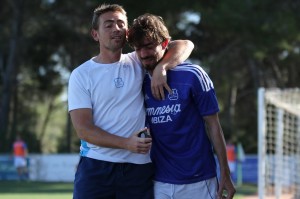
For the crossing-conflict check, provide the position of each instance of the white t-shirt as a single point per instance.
(114, 93)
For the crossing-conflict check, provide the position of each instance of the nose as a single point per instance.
(116, 27)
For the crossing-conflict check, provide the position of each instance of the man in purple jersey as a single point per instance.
(182, 150)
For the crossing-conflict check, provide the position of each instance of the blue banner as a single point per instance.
(7, 169)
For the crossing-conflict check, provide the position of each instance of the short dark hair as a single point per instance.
(147, 26)
(103, 8)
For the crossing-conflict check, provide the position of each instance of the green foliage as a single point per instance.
(246, 45)
(242, 44)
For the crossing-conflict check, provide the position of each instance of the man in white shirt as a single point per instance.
(106, 108)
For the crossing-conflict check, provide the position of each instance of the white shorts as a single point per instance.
(204, 189)
(20, 162)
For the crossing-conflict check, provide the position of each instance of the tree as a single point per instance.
(9, 65)
(241, 44)
(246, 45)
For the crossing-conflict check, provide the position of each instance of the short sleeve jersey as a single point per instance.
(181, 150)
(19, 148)
(114, 93)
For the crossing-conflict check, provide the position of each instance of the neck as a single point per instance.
(108, 57)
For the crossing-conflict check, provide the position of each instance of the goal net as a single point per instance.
(279, 143)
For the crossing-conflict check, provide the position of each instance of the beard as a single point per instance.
(149, 67)
(117, 45)
(149, 63)
(114, 43)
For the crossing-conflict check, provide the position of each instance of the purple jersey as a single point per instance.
(181, 151)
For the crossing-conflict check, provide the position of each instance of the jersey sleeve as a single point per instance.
(204, 93)
(79, 95)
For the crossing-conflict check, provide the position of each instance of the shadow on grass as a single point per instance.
(35, 187)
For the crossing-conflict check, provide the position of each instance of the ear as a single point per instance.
(165, 43)
(94, 34)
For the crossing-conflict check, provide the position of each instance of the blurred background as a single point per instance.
(241, 44)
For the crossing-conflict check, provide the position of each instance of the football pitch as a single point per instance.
(60, 190)
(35, 190)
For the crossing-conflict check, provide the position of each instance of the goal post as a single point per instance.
(278, 143)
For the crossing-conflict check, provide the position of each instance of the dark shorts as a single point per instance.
(96, 179)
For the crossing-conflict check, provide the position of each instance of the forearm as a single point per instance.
(178, 51)
(97, 136)
(86, 130)
(26, 152)
(216, 136)
(219, 145)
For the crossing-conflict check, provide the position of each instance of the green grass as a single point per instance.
(60, 190)
(245, 190)
(35, 190)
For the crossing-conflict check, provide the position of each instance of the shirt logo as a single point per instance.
(163, 114)
(119, 82)
(173, 95)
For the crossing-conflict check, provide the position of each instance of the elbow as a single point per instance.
(190, 45)
(81, 133)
